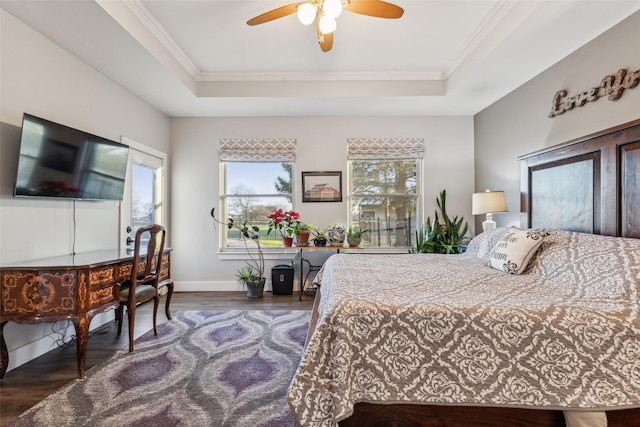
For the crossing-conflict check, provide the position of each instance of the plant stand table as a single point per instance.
(312, 267)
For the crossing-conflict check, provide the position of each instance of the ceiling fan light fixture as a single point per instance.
(325, 12)
(327, 24)
(306, 13)
(332, 8)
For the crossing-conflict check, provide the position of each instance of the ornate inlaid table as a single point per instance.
(72, 287)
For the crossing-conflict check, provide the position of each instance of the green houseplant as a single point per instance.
(251, 275)
(302, 231)
(319, 237)
(443, 234)
(354, 236)
(248, 277)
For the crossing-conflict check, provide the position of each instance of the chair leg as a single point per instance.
(167, 310)
(131, 313)
(156, 302)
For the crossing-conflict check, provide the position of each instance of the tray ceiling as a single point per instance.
(200, 58)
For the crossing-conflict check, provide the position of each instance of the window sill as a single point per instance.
(231, 254)
(269, 254)
(375, 250)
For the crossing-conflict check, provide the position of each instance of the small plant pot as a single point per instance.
(302, 239)
(354, 241)
(287, 242)
(336, 236)
(320, 242)
(255, 289)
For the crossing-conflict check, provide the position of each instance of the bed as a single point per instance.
(425, 339)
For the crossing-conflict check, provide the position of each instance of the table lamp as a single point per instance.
(489, 202)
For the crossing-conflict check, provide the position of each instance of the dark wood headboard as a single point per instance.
(590, 184)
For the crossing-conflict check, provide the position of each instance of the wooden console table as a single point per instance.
(71, 287)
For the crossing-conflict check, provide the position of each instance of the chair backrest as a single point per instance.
(147, 237)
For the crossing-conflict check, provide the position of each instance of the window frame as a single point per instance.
(419, 199)
(223, 246)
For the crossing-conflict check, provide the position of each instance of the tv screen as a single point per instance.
(59, 161)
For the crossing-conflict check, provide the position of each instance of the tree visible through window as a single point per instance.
(254, 190)
(384, 199)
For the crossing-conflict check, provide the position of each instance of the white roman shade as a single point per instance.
(385, 148)
(258, 150)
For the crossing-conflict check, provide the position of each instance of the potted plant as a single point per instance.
(354, 236)
(254, 284)
(302, 232)
(286, 223)
(251, 275)
(319, 237)
(336, 235)
(443, 235)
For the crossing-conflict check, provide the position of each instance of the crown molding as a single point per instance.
(304, 77)
(158, 31)
(491, 21)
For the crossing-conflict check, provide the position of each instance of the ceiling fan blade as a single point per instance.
(325, 40)
(280, 12)
(376, 8)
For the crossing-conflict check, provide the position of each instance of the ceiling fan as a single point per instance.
(325, 12)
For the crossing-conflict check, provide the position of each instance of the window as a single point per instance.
(383, 189)
(257, 180)
(143, 196)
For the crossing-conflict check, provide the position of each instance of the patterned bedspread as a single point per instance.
(448, 329)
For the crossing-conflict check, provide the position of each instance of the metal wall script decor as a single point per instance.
(612, 85)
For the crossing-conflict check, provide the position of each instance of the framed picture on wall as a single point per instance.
(321, 186)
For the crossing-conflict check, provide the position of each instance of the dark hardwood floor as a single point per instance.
(23, 387)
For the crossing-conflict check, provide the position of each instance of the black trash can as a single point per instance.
(282, 279)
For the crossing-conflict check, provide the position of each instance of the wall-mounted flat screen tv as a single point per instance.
(59, 161)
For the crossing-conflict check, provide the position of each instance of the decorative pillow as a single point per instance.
(481, 245)
(514, 250)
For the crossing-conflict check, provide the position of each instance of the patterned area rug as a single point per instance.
(205, 368)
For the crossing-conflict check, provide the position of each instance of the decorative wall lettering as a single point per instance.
(611, 86)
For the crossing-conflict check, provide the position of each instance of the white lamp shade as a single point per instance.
(327, 25)
(306, 13)
(332, 8)
(488, 202)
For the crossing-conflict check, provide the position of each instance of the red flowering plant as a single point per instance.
(285, 222)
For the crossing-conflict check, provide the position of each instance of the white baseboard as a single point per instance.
(208, 286)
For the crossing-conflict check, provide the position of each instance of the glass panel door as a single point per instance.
(142, 197)
(143, 201)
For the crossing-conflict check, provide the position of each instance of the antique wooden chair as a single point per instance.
(142, 284)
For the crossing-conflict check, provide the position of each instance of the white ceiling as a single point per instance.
(200, 58)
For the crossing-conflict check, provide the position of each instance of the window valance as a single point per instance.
(258, 150)
(385, 148)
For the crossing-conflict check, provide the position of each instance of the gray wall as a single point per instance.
(518, 124)
(321, 146)
(40, 78)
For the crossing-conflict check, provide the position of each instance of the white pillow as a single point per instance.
(515, 249)
(483, 243)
